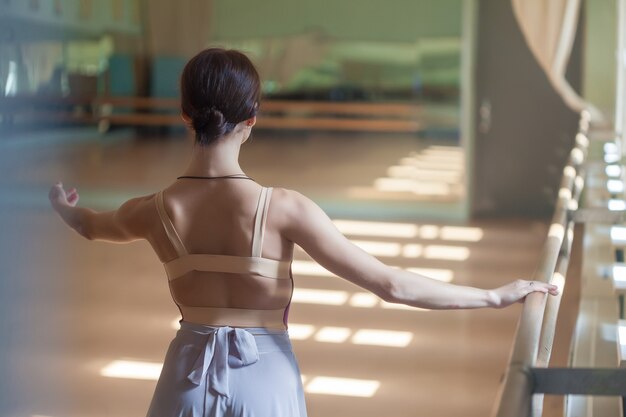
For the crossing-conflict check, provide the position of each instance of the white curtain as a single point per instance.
(549, 27)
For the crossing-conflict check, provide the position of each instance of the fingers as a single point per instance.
(538, 286)
(58, 195)
(55, 191)
(58, 186)
(519, 289)
(72, 196)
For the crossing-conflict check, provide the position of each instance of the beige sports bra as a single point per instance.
(265, 285)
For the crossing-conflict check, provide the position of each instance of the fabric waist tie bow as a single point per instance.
(226, 348)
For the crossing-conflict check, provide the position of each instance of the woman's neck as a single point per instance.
(217, 159)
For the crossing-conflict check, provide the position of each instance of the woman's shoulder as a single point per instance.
(140, 203)
(287, 199)
(291, 206)
(138, 211)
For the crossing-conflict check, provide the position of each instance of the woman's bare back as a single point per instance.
(213, 228)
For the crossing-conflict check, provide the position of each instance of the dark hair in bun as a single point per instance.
(210, 123)
(219, 89)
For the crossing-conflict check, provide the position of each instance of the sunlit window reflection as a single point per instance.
(622, 332)
(332, 334)
(611, 158)
(432, 172)
(132, 370)
(450, 253)
(615, 186)
(613, 171)
(611, 147)
(461, 233)
(412, 186)
(617, 205)
(451, 151)
(363, 300)
(10, 87)
(382, 338)
(619, 273)
(412, 250)
(300, 331)
(621, 339)
(381, 229)
(449, 177)
(312, 296)
(342, 386)
(432, 188)
(618, 235)
(400, 171)
(372, 337)
(395, 184)
(429, 232)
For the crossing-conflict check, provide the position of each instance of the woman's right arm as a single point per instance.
(126, 224)
(307, 225)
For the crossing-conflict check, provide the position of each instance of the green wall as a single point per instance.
(600, 44)
(393, 20)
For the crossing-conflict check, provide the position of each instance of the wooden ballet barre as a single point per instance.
(139, 102)
(274, 114)
(395, 110)
(519, 394)
(48, 108)
(8, 103)
(317, 123)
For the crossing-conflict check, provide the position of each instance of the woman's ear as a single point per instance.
(248, 128)
(251, 121)
(185, 118)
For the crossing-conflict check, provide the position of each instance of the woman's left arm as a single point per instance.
(125, 224)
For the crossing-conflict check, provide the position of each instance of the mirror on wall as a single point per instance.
(389, 79)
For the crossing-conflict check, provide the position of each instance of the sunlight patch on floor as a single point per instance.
(433, 172)
(380, 229)
(324, 297)
(130, 369)
(342, 386)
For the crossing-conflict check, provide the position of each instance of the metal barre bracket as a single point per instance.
(579, 381)
(597, 215)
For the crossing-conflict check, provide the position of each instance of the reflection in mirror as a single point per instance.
(375, 96)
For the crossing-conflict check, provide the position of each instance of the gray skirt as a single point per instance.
(228, 372)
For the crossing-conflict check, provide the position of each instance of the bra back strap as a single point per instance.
(260, 220)
(169, 226)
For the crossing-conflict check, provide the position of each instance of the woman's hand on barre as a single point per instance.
(517, 291)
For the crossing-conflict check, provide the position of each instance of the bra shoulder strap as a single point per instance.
(259, 221)
(172, 234)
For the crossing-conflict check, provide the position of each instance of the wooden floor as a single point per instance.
(69, 307)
